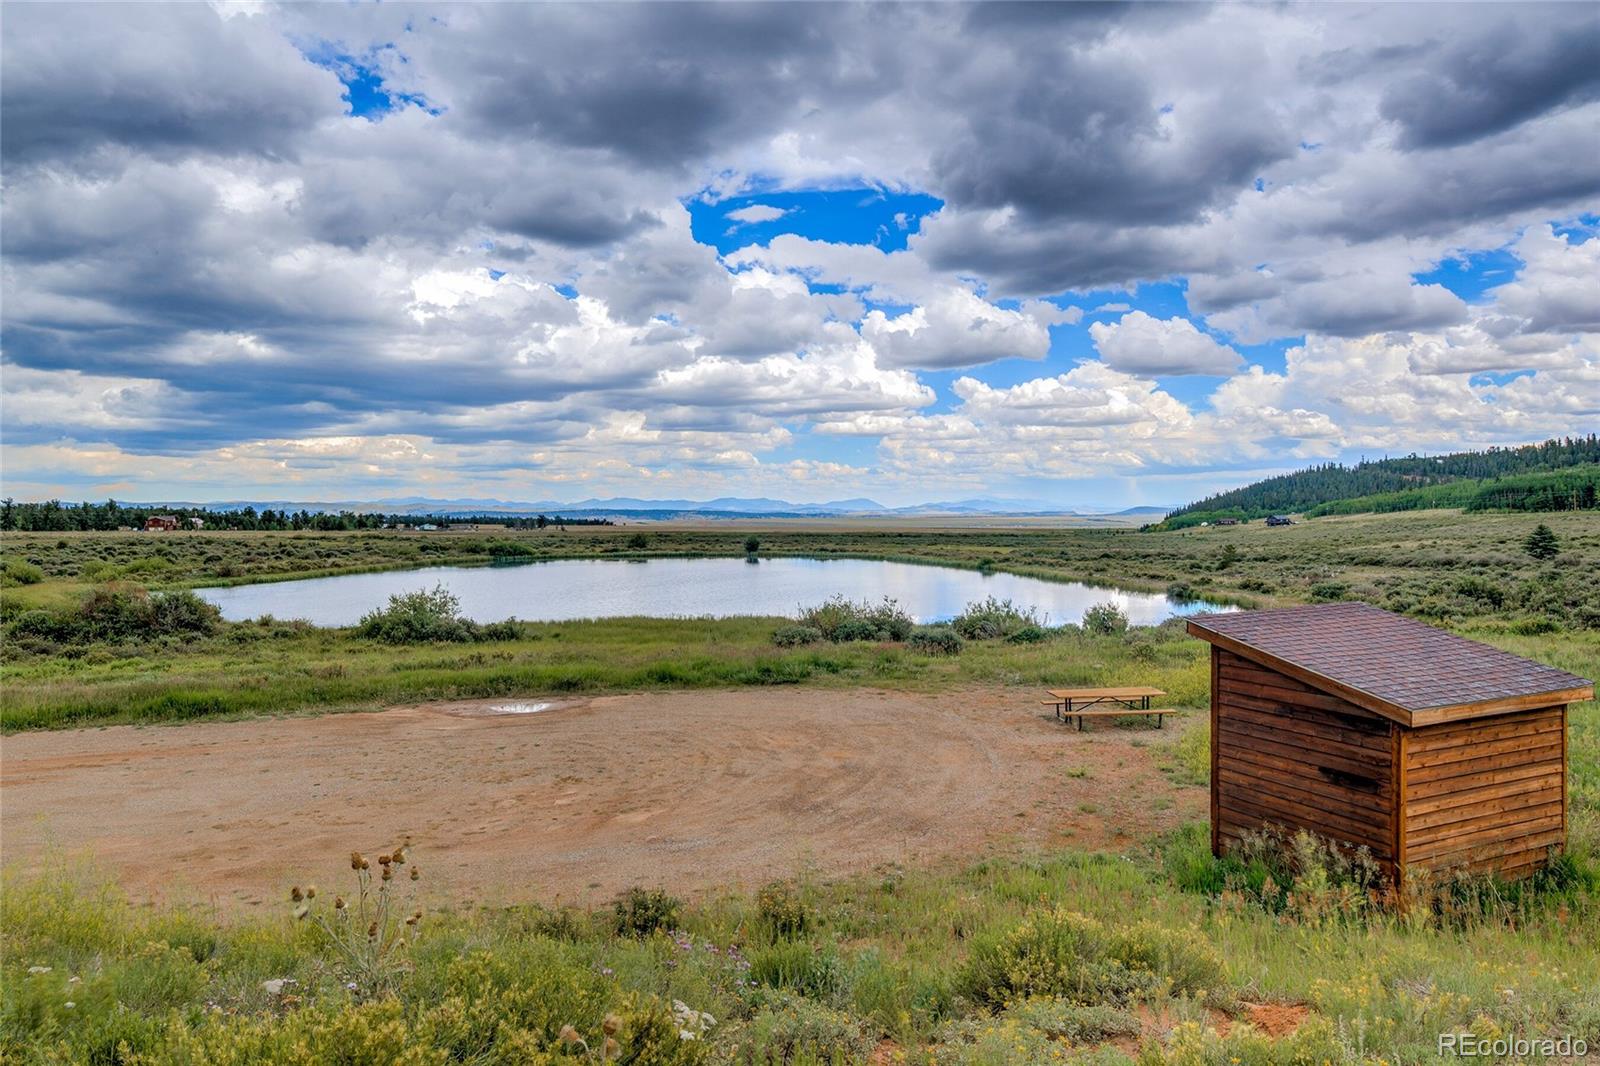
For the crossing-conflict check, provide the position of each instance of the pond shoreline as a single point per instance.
(675, 588)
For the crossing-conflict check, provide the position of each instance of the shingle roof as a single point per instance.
(1390, 663)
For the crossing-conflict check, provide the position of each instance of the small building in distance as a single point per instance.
(1379, 731)
(161, 523)
(1227, 521)
(197, 523)
(1279, 520)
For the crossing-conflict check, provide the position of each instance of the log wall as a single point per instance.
(1286, 754)
(1488, 794)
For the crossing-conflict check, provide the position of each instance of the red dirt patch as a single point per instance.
(1276, 1019)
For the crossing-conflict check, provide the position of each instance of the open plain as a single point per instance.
(689, 790)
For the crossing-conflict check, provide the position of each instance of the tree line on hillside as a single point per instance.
(1306, 489)
(53, 516)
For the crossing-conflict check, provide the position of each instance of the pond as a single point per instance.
(568, 589)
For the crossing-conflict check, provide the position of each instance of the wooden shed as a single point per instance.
(1370, 728)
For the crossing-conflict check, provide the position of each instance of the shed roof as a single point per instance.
(1390, 664)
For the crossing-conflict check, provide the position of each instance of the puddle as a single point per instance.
(503, 708)
(517, 708)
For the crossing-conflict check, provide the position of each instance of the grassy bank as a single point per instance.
(1067, 957)
(1415, 561)
(1468, 572)
(285, 668)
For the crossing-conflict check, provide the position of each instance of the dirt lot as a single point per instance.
(696, 791)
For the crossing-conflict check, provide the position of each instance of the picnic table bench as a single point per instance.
(1081, 703)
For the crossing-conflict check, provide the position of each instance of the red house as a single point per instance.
(160, 523)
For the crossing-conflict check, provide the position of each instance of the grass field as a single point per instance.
(1468, 573)
(1159, 953)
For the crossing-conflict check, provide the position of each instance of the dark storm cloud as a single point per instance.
(1543, 58)
(189, 203)
(566, 216)
(168, 78)
(661, 85)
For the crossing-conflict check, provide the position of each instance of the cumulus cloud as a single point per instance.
(957, 328)
(757, 213)
(1139, 344)
(209, 261)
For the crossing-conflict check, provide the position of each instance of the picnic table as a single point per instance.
(1079, 703)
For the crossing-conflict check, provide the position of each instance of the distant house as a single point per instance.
(161, 523)
(1280, 520)
(197, 523)
(1227, 521)
(427, 527)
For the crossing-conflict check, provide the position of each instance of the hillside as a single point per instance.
(1557, 475)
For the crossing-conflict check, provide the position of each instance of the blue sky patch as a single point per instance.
(877, 217)
(1470, 275)
(364, 87)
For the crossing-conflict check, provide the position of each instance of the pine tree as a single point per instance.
(1541, 543)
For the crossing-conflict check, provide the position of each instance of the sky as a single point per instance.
(1090, 255)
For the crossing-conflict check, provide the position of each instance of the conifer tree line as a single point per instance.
(54, 516)
(1537, 477)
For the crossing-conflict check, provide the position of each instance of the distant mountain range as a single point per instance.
(722, 506)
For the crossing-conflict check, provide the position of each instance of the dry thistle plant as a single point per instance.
(373, 933)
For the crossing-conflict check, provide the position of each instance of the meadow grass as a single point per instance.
(898, 955)
(906, 956)
(275, 668)
(1466, 572)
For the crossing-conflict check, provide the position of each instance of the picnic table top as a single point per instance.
(1132, 693)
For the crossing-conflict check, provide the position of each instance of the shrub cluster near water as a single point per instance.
(842, 620)
(117, 614)
(429, 615)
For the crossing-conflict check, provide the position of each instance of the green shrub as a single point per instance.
(118, 613)
(638, 542)
(797, 966)
(990, 618)
(1329, 591)
(1029, 634)
(855, 629)
(1105, 619)
(509, 629)
(782, 910)
(21, 572)
(797, 636)
(638, 912)
(752, 545)
(1031, 1031)
(935, 640)
(428, 616)
(791, 1030)
(1476, 588)
(510, 549)
(1064, 954)
(885, 620)
(182, 613)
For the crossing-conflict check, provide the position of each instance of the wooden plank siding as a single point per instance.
(1487, 796)
(1287, 754)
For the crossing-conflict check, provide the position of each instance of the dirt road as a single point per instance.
(695, 791)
